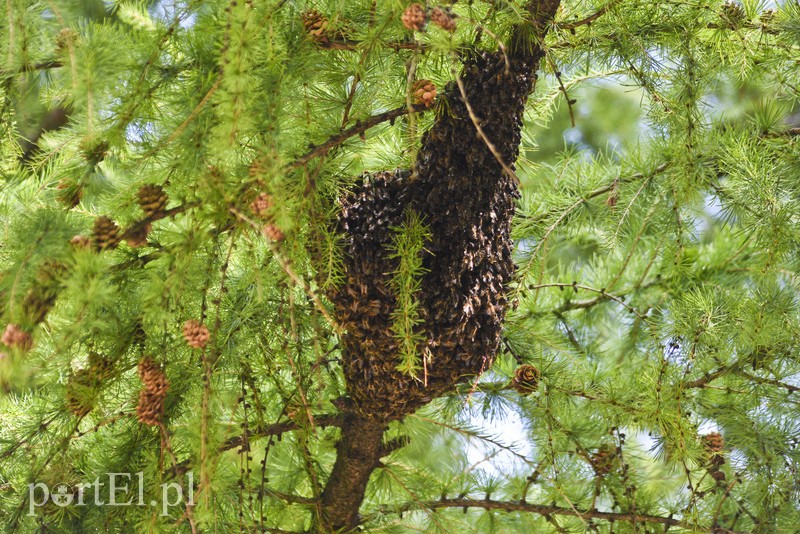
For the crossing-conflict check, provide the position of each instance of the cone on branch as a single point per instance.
(603, 459)
(317, 26)
(150, 408)
(526, 379)
(16, 338)
(734, 15)
(152, 199)
(261, 205)
(423, 92)
(105, 234)
(443, 19)
(273, 233)
(69, 193)
(414, 17)
(195, 334)
(714, 445)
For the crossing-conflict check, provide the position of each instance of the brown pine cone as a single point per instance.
(16, 337)
(733, 14)
(101, 366)
(526, 379)
(80, 242)
(423, 92)
(150, 408)
(714, 442)
(414, 17)
(152, 376)
(316, 25)
(717, 475)
(261, 205)
(136, 236)
(443, 19)
(273, 233)
(195, 334)
(152, 199)
(603, 459)
(105, 234)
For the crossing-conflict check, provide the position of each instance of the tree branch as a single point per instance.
(358, 128)
(544, 510)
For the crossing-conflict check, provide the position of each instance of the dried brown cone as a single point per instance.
(195, 334)
(105, 234)
(150, 408)
(414, 17)
(526, 379)
(273, 233)
(603, 459)
(261, 205)
(443, 19)
(714, 445)
(423, 92)
(152, 199)
(16, 338)
(316, 25)
(152, 376)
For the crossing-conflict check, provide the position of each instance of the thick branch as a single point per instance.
(358, 454)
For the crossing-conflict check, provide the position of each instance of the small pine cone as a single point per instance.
(16, 337)
(150, 408)
(443, 19)
(94, 151)
(414, 17)
(603, 459)
(153, 377)
(65, 38)
(714, 443)
(424, 92)
(136, 236)
(261, 205)
(733, 14)
(316, 25)
(105, 234)
(273, 233)
(152, 199)
(37, 303)
(101, 366)
(195, 334)
(69, 193)
(526, 379)
(717, 475)
(80, 242)
(81, 390)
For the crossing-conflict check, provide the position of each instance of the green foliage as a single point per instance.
(656, 243)
(407, 247)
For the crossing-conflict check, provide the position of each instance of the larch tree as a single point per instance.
(331, 266)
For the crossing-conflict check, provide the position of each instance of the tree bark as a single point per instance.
(358, 453)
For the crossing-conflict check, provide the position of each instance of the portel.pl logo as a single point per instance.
(123, 489)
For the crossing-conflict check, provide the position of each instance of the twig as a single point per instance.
(588, 20)
(545, 510)
(357, 129)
